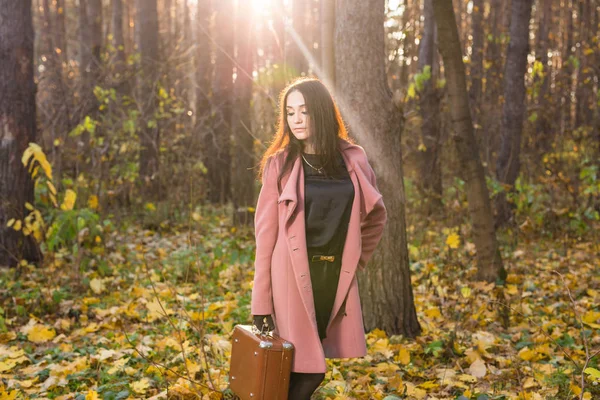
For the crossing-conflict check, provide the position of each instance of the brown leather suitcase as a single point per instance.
(260, 365)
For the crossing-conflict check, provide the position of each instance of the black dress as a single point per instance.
(328, 204)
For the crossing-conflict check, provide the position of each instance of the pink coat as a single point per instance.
(282, 285)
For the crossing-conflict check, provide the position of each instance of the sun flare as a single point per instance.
(262, 6)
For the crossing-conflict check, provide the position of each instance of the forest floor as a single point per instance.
(149, 314)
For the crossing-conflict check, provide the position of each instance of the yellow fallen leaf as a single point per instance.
(593, 373)
(478, 368)
(465, 291)
(453, 240)
(97, 285)
(433, 312)
(118, 365)
(92, 395)
(403, 356)
(7, 365)
(414, 391)
(140, 386)
(12, 395)
(527, 354)
(40, 334)
(529, 383)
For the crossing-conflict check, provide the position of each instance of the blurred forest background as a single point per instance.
(130, 136)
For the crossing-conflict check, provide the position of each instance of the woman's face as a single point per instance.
(297, 115)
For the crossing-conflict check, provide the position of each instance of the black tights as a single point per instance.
(302, 385)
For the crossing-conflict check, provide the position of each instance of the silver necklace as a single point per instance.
(319, 170)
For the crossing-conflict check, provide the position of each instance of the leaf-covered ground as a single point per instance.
(151, 316)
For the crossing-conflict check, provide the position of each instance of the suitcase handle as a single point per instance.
(262, 333)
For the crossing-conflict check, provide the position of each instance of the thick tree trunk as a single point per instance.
(366, 104)
(489, 261)
(147, 36)
(327, 42)
(508, 162)
(243, 160)
(430, 170)
(217, 144)
(17, 128)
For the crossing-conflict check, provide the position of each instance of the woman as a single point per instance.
(318, 218)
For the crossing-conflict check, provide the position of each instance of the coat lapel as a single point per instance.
(295, 234)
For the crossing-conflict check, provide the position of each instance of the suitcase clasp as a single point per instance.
(265, 345)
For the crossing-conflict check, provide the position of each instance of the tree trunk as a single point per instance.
(362, 90)
(129, 26)
(203, 64)
(489, 261)
(147, 36)
(217, 142)
(61, 33)
(491, 109)
(118, 35)
(545, 106)
(94, 11)
(476, 68)
(407, 43)
(567, 72)
(243, 160)
(327, 42)
(299, 41)
(85, 48)
(17, 128)
(430, 170)
(508, 162)
(585, 77)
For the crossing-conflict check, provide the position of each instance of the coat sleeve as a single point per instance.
(266, 225)
(372, 226)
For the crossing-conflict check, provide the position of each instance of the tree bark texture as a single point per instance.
(489, 261)
(508, 162)
(430, 170)
(243, 159)
(147, 36)
(366, 104)
(17, 128)
(217, 142)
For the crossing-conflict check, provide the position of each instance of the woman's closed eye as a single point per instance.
(303, 112)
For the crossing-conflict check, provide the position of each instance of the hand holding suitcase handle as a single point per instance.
(264, 323)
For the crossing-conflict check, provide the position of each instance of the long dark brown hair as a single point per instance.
(325, 125)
